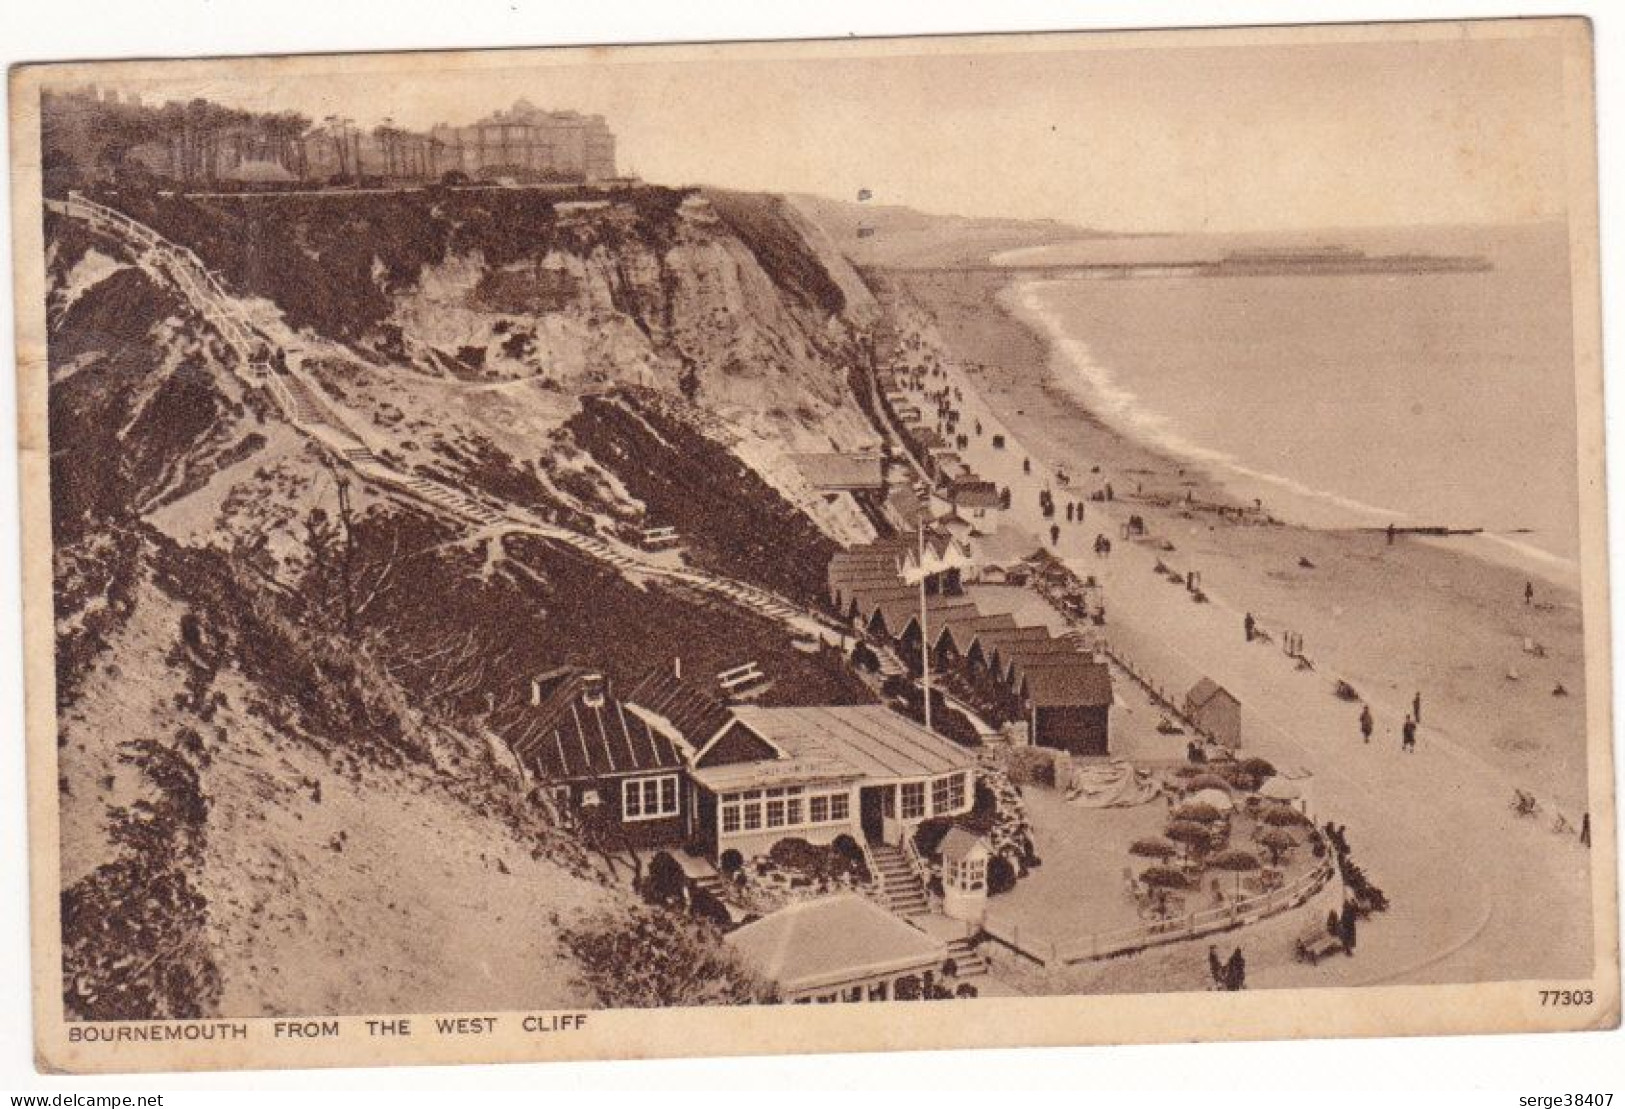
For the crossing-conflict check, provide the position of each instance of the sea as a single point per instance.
(1341, 400)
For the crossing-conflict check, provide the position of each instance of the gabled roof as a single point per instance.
(939, 612)
(1206, 690)
(1016, 658)
(695, 714)
(567, 739)
(1084, 683)
(902, 610)
(994, 640)
(964, 628)
(832, 941)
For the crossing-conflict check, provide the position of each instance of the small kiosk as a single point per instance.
(964, 876)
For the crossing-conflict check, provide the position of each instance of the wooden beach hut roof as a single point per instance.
(1080, 683)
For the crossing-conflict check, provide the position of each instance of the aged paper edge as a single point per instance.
(1496, 1007)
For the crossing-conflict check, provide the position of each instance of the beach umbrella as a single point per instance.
(1258, 768)
(1192, 835)
(1283, 817)
(1235, 860)
(1164, 877)
(1278, 842)
(1153, 849)
(1216, 798)
(1198, 812)
(1280, 789)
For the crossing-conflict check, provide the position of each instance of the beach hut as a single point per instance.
(1215, 712)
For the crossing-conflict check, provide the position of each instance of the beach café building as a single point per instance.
(840, 948)
(819, 772)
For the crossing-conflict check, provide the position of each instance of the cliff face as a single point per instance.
(733, 299)
(280, 787)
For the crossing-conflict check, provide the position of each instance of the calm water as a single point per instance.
(1343, 400)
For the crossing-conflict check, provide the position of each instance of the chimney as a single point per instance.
(593, 689)
(677, 667)
(535, 693)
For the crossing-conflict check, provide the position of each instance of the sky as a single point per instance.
(1133, 137)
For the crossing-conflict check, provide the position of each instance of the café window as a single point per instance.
(649, 798)
(948, 794)
(911, 800)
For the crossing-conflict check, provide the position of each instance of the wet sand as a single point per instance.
(1478, 894)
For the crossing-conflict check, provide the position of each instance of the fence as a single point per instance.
(1100, 945)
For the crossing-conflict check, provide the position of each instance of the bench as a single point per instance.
(1317, 944)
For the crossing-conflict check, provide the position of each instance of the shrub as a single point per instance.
(730, 861)
(965, 989)
(645, 957)
(1001, 875)
(703, 904)
(665, 881)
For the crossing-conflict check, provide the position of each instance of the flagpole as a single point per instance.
(925, 637)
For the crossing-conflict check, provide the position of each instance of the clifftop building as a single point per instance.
(528, 144)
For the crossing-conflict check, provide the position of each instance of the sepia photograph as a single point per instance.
(990, 540)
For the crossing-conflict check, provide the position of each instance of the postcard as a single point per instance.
(855, 545)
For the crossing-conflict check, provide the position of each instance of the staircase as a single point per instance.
(970, 962)
(900, 889)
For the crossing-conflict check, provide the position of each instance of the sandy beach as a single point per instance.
(1391, 621)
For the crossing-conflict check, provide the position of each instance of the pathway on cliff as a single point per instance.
(277, 364)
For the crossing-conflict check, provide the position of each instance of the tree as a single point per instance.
(1153, 849)
(1236, 860)
(1191, 836)
(1279, 843)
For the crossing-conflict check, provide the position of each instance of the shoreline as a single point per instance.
(1390, 621)
(1439, 615)
(1072, 374)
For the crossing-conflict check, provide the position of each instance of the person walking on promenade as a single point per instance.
(1054, 534)
(1585, 830)
(1390, 535)
(1416, 707)
(1528, 592)
(1409, 742)
(1249, 626)
(1215, 966)
(1366, 723)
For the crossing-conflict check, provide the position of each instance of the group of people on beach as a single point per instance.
(1407, 731)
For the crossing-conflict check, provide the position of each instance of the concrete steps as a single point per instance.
(969, 962)
(900, 887)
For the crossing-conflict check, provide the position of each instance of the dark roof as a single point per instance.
(566, 739)
(1206, 690)
(1082, 682)
(695, 713)
(1019, 657)
(972, 495)
(995, 639)
(965, 628)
